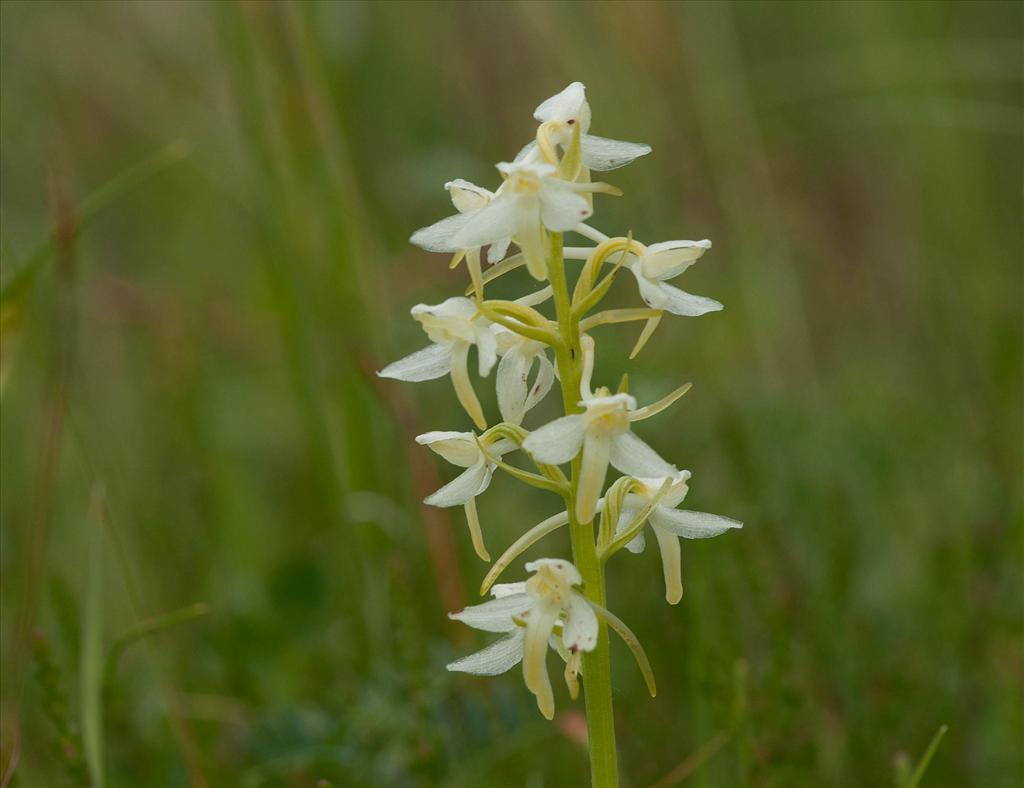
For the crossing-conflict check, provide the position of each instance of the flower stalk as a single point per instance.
(547, 192)
(597, 667)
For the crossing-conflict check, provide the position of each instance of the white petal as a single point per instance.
(580, 631)
(467, 196)
(439, 237)
(593, 468)
(650, 289)
(668, 259)
(631, 455)
(486, 349)
(638, 543)
(604, 154)
(491, 223)
(528, 153)
(499, 590)
(679, 303)
(671, 566)
(459, 448)
(563, 106)
(495, 659)
(558, 441)
(692, 525)
(495, 615)
(502, 446)
(564, 569)
(511, 382)
(464, 387)
(561, 209)
(498, 250)
(462, 488)
(626, 516)
(530, 236)
(433, 361)
(531, 169)
(539, 626)
(542, 383)
(476, 534)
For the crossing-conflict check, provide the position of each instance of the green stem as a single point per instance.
(597, 677)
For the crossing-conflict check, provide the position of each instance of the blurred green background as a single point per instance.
(213, 200)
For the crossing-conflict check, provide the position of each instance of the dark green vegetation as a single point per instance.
(189, 416)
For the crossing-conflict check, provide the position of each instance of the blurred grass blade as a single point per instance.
(12, 318)
(926, 759)
(16, 293)
(145, 628)
(92, 643)
(90, 208)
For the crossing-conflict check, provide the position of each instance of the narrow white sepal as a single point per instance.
(430, 363)
(557, 441)
(439, 237)
(692, 525)
(632, 456)
(462, 488)
(495, 659)
(495, 615)
(602, 154)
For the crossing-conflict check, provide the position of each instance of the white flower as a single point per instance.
(667, 260)
(453, 326)
(669, 525)
(515, 393)
(529, 200)
(564, 110)
(603, 431)
(463, 450)
(468, 198)
(529, 614)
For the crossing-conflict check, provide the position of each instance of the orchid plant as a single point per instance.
(545, 192)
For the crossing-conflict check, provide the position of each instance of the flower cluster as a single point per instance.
(546, 191)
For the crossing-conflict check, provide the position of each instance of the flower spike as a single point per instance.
(545, 191)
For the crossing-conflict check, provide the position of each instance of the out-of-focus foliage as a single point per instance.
(199, 359)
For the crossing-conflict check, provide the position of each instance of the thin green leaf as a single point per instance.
(521, 545)
(926, 759)
(630, 640)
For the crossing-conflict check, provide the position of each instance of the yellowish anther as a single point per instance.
(457, 258)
